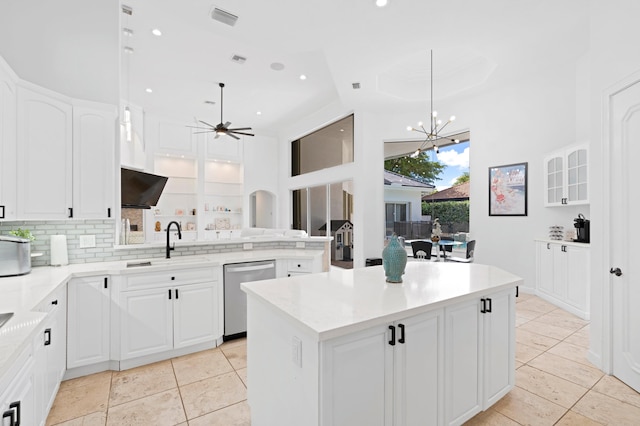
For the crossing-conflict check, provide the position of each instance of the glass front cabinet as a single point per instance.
(566, 177)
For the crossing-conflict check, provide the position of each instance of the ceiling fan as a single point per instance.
(222, 129)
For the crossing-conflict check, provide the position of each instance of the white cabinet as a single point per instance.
(170, 310)
(17, 392)
(7, 143)
(44, 155)
(386, 375)
(170, 137)
(88, 321)
(562, 275)
(50, 351)
(94, 134)
(566, 177)
(223, 197)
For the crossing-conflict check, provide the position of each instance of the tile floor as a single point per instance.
(555, 384)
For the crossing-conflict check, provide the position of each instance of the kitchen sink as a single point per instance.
(166, 262)
(4, 318)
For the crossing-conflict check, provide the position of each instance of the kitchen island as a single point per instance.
(346, 348)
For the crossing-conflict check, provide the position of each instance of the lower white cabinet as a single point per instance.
(17, 397)
(155, 320)
(88, 321)
(562, 275)
(50, 351)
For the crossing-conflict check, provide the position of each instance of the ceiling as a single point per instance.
(335, 43)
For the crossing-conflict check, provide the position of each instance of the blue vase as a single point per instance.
(394, 259)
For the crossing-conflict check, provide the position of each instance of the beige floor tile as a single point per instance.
(573, 352)
(234, 415)
(577, 373)
(568, 321)
(237, 355)
(525, 353)
(548, 330)
(522, 296)
(537, 304)
(201, 365)
(73, 402)
(243, 375)
(535, 340)
(519, 364)
(579, 338)
(103, 378)
(548, 386)
(528, 314)
(574, 419)
(520, 321)
(234, 343)
(141, 381)
(607, 410)
(529, 409)
(93, 419)
(212, 394)
(612, 386)
(491, 418)
(163, 408)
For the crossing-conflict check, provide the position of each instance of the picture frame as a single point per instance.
(508, 190)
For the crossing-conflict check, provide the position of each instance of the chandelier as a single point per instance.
(433, 134)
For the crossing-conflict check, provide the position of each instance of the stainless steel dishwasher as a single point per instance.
(235, 300)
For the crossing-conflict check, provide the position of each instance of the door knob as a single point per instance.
(615, 271)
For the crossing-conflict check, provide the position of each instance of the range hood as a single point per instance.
(140, 190)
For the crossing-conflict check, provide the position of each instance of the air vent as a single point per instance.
(224, 17)
(210, 102)
(127, 9)
(355, 85)
(238, 59)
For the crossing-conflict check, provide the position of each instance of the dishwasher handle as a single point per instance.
(251, 268)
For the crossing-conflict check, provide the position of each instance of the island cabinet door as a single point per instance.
(357, 379)
(418, 366)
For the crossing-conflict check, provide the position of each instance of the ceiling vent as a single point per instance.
(224, 17)
(355, 85)
(238, 59)
(127, 10)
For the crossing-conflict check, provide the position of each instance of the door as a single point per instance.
(194, 315)
(147, 322)
(624, 128)
(545, 277)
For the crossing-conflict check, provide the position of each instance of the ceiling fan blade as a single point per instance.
(196, 127)
(217, 135)
(241, 128)
(206, 131)
(227, 124)
(233, 136)
(242, 133)
(204, 122)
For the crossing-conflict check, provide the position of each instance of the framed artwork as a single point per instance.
(508, 190)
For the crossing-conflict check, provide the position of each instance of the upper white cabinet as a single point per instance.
(7, 143)
(44, 151)
(94, 135)
(222, 148)
(566, 177)
(169, 137)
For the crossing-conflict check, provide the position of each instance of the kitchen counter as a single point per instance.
(22, 294)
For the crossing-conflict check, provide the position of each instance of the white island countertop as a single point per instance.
(340, 302)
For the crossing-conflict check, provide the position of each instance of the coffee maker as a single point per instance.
(582, 226)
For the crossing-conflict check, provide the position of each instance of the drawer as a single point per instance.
(169, 278)
(301, 265)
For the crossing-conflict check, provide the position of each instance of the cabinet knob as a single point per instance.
(54, 302)
(615, 271)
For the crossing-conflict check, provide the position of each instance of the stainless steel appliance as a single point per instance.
(15, 256)
(235, 300)
(583, 228)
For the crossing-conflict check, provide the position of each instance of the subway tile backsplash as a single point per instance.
(104, 231)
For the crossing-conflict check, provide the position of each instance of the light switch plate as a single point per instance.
(296, 351)
(247, 246)
(299, 244)
(87, 241)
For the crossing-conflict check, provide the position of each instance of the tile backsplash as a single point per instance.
(104, 232)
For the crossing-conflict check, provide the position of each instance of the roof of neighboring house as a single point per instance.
(392, 178)
(455, 193)
(335, 225)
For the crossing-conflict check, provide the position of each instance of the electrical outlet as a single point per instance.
(299, 244)
(247, 246)
(296, 351)
(87, 241)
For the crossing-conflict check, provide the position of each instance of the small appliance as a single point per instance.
(15, 256)
(582, 226)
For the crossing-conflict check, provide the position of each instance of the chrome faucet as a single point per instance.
(169, 248)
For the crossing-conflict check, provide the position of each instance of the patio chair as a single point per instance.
(471, 245)
(420, 247)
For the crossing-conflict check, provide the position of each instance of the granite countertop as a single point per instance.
(22, 294)
(340, 302)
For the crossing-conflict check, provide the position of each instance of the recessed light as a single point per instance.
(156, 32)
(303, 77)
(148, 90)
(381, 3)
(259, 113)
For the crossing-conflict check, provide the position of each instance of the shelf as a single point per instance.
(160, 216)
(217, 212)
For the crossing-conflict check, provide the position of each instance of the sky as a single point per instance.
(456, 159)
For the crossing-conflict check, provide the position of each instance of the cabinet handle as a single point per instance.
(70, 212)
(489, 306)
(564, 201)
(548, 246)
(105, 282)
(169, 294)
(2, 215)
(401, 339)
(47, 337)
(392, 342)
(12, 418)
(517, 291)
(173, 278)
(54, 302)
(16, 405)
(483, 308)
(108, 211)
(177, 294)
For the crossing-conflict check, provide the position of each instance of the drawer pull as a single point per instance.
(47, 337)
(16, 405)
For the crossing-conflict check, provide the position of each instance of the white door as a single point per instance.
(146, 322)
(624, 206)
(194, 314)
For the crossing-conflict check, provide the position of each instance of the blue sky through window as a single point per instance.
(456, 159)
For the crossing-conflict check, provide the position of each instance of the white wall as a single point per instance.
(261, 170)
(405, 195)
